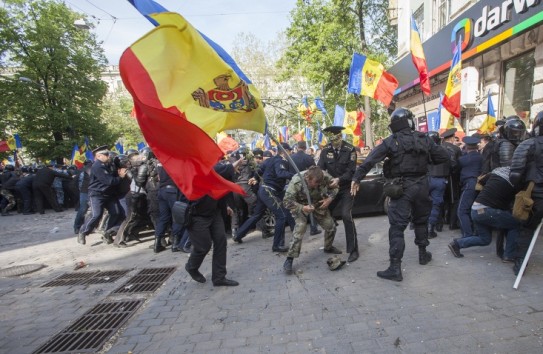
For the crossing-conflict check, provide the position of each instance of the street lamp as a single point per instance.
(81, 24)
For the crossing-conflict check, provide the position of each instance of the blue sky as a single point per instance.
(220, 20)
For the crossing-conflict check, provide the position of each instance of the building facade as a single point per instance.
(502, 56)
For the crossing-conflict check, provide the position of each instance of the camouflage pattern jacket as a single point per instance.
(295, 196)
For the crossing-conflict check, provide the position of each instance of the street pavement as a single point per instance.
(451, 305)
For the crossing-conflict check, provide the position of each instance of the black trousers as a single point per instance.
(415, 203)
(528, 227)
(346, 199)
(42, 191)
(26, 194)
(204, 232)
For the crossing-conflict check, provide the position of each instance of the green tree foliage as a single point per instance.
(322, 38)
(116, 113)
(58, 100)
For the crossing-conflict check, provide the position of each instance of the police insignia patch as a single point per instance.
(330, 155)
(224, 98)
(353, 156)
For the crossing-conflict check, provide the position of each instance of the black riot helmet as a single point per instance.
(400, 119)
(147, 153)
(514, 130)
(121, 161)
(435, 137)
(112, 155)
(537, 125)
(10, 168)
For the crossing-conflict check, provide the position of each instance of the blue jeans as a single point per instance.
(437, 190)
(83, 207)
(487, 219)
(464, 206)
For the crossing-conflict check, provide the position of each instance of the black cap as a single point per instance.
(87, 162)
(258, 152)
(334, 129)
(286, 146)
(267, 153)
(448, 133)
(101, 149)
(471, 140)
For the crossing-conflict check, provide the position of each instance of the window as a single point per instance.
(443, 12)
(418, 15)
(518, 83)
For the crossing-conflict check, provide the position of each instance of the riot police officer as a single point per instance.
(407, 152)
(338, 158)
(526, 166)
(452, 193)
(470, 164)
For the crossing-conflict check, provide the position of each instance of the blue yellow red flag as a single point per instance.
(451, 99)
(489, 123)
(369, 78)
(419, 60)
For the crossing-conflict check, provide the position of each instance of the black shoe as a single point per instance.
(280, 249)
(287, 266)
(225, 282)
(186, 249)
(121, 244)
(353, 256)
(157, 248)
(316, 232)
(439, 227)
(236, 239)
(453, 246)
(108, 237)
(333, 250)
(431, 231)
(195, 274)
(81, 239)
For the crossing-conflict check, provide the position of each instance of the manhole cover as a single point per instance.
(83, 278)
(89, 333)
(20, 270)
(146, 281)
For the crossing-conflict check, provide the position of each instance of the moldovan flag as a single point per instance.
(352, 122)
(283, 134)
(451, 100)
(369, 78)
(185, 93)
(419, 60)
(447, 120)
(489, 124)
(77, 157)
(4, 146)
(11, 143)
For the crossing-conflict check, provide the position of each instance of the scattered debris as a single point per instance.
(80, 265)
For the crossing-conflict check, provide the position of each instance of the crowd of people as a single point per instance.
(431, 182)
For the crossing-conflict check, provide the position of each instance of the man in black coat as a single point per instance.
(24, 187)
(41, 186)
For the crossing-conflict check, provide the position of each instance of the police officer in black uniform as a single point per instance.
(471, 164)
(408, 153)
(24, 187)
(41, 187)
(452, 194)
(338, 158)
(526, 166)
(438, 178)
(103, 183)
(275, 174)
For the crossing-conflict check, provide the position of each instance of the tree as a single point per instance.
(116, 113)
(54, 98)
(322, 38)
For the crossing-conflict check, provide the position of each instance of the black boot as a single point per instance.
(431, 231)
(424, 256)
(175, 242)
(287, 266)
(158, 245)
(394, 271)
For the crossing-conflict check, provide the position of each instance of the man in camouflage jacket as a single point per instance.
(295, 200)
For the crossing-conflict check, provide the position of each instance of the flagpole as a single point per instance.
(424, 105)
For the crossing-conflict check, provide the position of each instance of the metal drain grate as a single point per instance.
(89, 333)
(146, 281)
(83, 278)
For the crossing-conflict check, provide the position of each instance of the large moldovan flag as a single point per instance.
(186, 89)
(369, 78)
(451, 100)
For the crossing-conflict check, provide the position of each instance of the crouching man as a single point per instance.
(296, 201)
